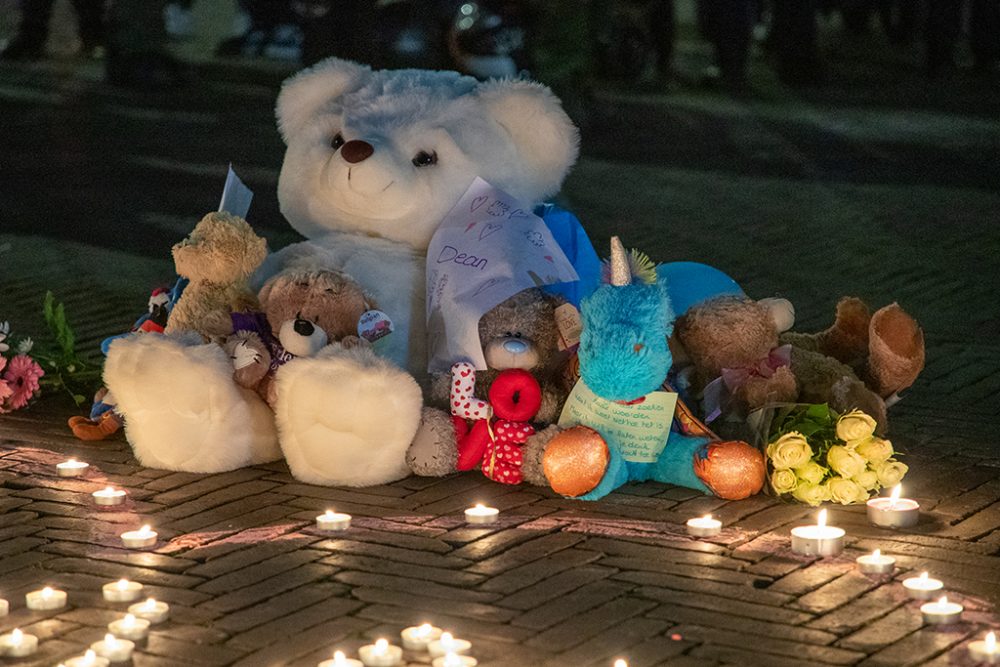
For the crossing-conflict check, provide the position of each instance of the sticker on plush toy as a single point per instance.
(488, 248)
(374, 324)
(640, 428)
(569, 324)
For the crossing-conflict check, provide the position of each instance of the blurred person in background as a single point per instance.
(29, 43)
(944, 28)
(273, 32)
(728, 26)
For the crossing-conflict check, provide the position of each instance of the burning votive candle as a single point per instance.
(4, 607)
(139, 539)
(985, 650)
(114, 649)
(894, 512)
(448, 644)
(704, 526)
(333, 521)
(18, 644)
(122, 590)
(922, 587)
(480, 514)
(620, 663)
(340, 660)
(109, 495)
(129, 627)
(150, 610)
(381, 654)
(418, 637)
(876, 563)
(818, 540)
(941, 612)
(88, 659)
(71, 468)
(454, 660)
(46, 599)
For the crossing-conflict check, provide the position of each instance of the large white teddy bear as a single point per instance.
(374, 161)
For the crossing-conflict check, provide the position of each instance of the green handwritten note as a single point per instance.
(641, 428)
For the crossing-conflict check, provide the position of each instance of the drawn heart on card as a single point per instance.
(490, 228)
(478, 202)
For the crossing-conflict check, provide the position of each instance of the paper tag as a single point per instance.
(569, 324)
(640, 429)
(236, 197)
(374, 324)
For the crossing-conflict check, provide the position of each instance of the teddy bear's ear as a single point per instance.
(305, 93)
(547, 142)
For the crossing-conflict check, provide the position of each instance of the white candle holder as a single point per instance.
(922, 587)
(481, 515)
(108, 496)
(704, 526)
(114, 649)
(333, 521)
(46, 599)
(941, 612)
(4, 607)
(130, 627)
(151, 610)
(71, 468)
(122, 590)
(139, 539)
(340, 660)
(876, 563)
(381, 654)
(417, 638)
(88, 659)
(818, 540)
(894, 512)
(448, 644)
(18, 644)
(985, 651)
(454, 660)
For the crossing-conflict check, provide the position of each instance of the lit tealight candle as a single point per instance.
(381, 654)
(88, 659)
(481, 514)
(18, 644)
(876, 563)
(704, 526)
(922, 587)
(340, 660)
(620, 663)
(448, 644)
(418, 637)
(71, 468)
(139, 539)
(150, 610)
(129, 627)
(114, 649)
(331, 520)
(818, 540)
(46, 599)
(941, 612)
(4, 607)
(109, 495)
(894, 512)
(122, 590)
(454, 660)
(985, 650)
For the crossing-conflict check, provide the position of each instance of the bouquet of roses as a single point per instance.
(816, 455)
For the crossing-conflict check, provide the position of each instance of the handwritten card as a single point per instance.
(641, 429)
(488, 248)
(236, 197)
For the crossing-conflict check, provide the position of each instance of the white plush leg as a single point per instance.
(346, 417)
(182, 409)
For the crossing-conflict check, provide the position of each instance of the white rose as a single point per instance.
(811, 472)
(868, 480)
(846, 491)
(789, 451)
(811, 494)
(875, 450)
(783, 481)
(855, 425)
(890, 473)
(845, 462)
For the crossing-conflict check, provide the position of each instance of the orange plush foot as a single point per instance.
(575, 461)
(95, 429)
(732, 469)
(896, 351)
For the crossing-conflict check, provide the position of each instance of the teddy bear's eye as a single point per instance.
(337, 141)
(425, 159)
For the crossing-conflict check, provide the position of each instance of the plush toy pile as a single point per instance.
(318, 353)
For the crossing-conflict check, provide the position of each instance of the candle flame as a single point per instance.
(16, 636)
(424, 630)
(453, 660)
(991, 642)
(145, 529)
(150, 604)
(877, 554)
(620, 663)
(480, 507)
(707, 517)
(894, 496)
(339, 658)
(110, 641)
(821, 520)
(72, 462)
(109, 490)
(47, 592)
(122, 584)
(447, 639)
(89, 657)
(129, 620)
(381, 646)
(943, 601)
(923, 576)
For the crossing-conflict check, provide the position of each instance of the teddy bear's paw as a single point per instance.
(896, 351)
(182, 409)
(346, 417)
(847, 340)
(533, 452)
(434, 451)
(851, 394)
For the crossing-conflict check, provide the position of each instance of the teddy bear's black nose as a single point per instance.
(355, 150)
(303, 327)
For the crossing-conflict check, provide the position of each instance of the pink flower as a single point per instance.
(22, 377)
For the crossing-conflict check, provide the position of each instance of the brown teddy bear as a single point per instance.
(218, 258)
(302, 312)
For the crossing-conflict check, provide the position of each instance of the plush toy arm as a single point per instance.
(534, 452)
(781, 387)
(250, 357)
(552, 403)
(676, 463)
(439, 389)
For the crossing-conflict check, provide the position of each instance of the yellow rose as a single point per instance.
(845, 462)
(855, 425)
(875, 450)
(811, 494)
(811, 472)
(846, 491)
(867, 479)
(789, 451)
(783, 481)
(890, 472)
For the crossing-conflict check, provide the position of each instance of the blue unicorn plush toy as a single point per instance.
(625, 357)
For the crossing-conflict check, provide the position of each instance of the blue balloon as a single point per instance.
(690, 283)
